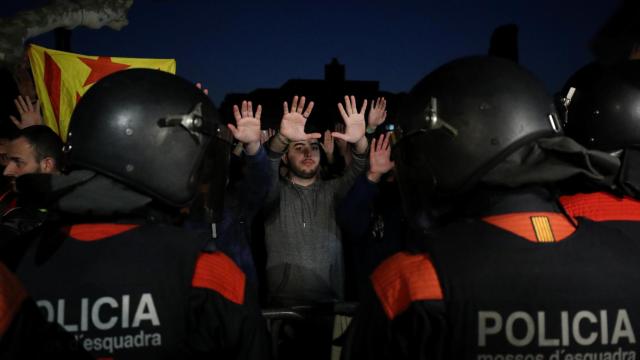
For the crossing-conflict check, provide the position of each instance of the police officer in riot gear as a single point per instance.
(115, 274)
(601, 105)
(507, 275)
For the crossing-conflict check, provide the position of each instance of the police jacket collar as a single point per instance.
(486, 201)
(79, 192)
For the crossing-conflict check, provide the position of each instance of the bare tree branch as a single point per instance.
(68, 14)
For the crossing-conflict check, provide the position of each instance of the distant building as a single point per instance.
(326, 94)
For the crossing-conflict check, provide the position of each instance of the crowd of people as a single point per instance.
(495, 222)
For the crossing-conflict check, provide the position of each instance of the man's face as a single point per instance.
(4, 158)
(303, 158)
(23, 160)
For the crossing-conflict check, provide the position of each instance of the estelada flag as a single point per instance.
(61, 78)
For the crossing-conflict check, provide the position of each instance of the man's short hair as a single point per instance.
(45, 142)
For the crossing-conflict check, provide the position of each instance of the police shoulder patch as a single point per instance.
(405, 278)
(217, 272)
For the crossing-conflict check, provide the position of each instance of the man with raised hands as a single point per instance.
(303, 241)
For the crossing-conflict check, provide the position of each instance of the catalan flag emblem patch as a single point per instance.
(542, 229)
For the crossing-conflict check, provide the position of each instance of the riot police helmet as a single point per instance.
(463, 119)
(147, 129)
(602, 106)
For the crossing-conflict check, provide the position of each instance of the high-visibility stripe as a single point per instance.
(403, 279)
(534, 226)
(93, 232)
(601, 206)
(217, 272)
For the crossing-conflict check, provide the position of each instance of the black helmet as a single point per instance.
(603, 106)
(463, 119)
(146, 128)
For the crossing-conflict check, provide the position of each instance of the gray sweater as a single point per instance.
(304, 252)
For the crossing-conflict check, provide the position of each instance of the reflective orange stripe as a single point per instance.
(403, 279)
(12, 294)
(92, 232)
(217, 272)
(534, 226)
(601, 206)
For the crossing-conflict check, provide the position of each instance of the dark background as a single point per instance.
(239, 46)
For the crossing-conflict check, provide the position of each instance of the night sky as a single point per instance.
(238, 46)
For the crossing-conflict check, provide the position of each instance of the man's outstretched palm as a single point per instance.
(294, 120)
(247, 128)
(353, 120)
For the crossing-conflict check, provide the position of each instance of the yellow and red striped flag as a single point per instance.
(61, 78)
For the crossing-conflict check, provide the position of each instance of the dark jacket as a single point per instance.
(515, 279)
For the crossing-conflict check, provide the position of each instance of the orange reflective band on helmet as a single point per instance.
(601, 206)
(93, 232)
(217, 272)
(534, 226)
(403, 279)
(12, 294)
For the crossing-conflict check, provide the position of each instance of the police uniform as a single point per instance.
(600, 104)
(143, 291)
(109, 269)
(507, 274)
(522, 285)
(602, 207)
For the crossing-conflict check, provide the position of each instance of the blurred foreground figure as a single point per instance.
(506, 274)
(109, 268)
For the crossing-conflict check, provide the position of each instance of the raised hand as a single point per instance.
(328, 145)
(205, 90)
(327, 142)
(353, 120)
(294, 120)
(380, 157)
(29, 112)
(247, 128)
(377, 113)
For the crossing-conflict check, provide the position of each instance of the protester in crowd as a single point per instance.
(304, 251)
(370, 217)
(32, 150)
(29, 113)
